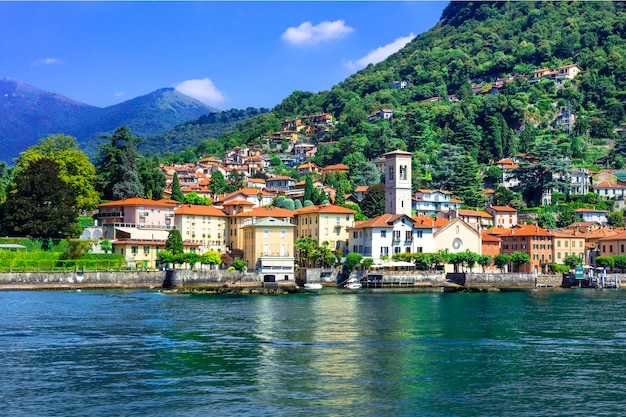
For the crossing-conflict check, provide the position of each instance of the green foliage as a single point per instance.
(620, 262)
(518, 259)
(605, 261)
(501, 260)
(174, 242)
(352, 260)
(239, 265)
(616, 219)
(177, 192)
(194, 198)
(558, 268)
(106, 246)
(75, 168)
(211, 257)
(217, 184)
(373, 203)
(36, 210)
(572, 261)
(117, 166)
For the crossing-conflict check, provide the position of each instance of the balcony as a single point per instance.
(143, 214)
(169, 214)
(396, 239)
(276, 254)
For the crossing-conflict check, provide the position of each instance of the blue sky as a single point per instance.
(226, 54)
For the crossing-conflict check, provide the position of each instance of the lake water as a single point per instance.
(142, 353)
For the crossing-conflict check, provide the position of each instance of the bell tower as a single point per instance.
(398, 182)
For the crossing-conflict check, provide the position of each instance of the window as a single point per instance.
(383, 233)
(266, 233)
(283, 233)
(146, 250)
(355, 235)
(134, 249)
(326, 231)
(419, 234)
(397, 249)
(338, 221)
(384, 250)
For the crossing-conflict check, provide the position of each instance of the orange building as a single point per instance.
(532, 240)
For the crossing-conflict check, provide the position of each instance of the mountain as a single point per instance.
(193, 132)
(28, 113)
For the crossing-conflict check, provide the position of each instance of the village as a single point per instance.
(247, 224)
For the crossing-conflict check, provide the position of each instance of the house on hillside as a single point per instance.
(204, 225)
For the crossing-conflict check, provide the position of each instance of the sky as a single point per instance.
(228, 55)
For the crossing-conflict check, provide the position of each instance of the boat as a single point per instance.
(353, 284)
(312, 286)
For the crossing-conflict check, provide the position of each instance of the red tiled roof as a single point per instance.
(140, 202)
(198, 210)
(325, 208)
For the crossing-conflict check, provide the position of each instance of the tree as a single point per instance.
(352, 260)
(572, 261)
(117, 164)
(239, 265)
(546, 220)
(106, 246)
(75, 169)
(235, 181)
(211, 257)
(373, 203)
(40, 203)
(152, 177)
(195, 198)
(501, 260)
(177, 192)
(484, 261)
(174, 242)
(620, 262)
(306, 248)
(518, 259)
(616, 219)
(218, 184)
(546, 170)
(605, 261)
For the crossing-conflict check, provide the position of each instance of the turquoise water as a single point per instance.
(141, 353)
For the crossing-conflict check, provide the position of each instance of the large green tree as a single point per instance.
(40, 203)
(152, 177)
(117, 165)
(545, 170)
(75, 168)
(177, 193)
(373, 203)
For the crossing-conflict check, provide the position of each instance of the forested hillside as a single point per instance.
(466, 94)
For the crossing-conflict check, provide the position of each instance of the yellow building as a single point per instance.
(566, 244)
(205, 225)
(143, 253)
(269, 248)
(235, 239)
(325, 223)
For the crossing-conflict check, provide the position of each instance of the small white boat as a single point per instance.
(312, 287)
(353, 284)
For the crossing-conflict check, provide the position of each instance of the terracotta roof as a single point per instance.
(588, 210)
(503, 208)
(434, 191)
(267, 212)
(361, 188)
(198, 210)
(325, 208)
(239, 201)
(336, 167)
(526, 230)
(384, 220)
(609, 184)
(484, 214)
(280, 178)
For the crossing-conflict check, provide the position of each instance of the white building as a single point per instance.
(398, 182)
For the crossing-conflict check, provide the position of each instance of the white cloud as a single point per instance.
(119, 94)
(381, 53)
(49, 61)
(203, 90)
(306, 33)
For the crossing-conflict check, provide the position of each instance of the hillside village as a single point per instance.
(247, 224)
